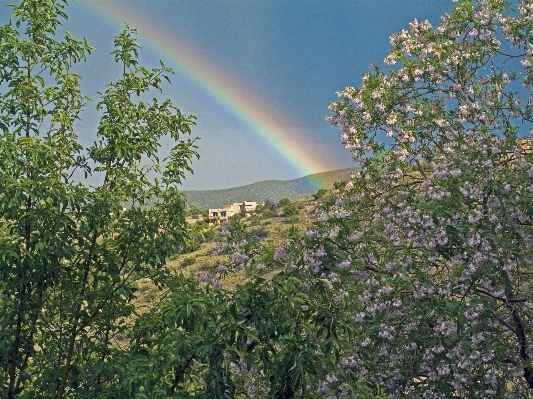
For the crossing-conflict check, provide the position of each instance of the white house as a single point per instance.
(217, 214)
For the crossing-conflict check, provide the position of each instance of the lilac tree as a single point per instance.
(425, 256)
(437, 227)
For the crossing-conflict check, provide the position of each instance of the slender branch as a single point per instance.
(32, 333)
(178, 373)
(74, 330)
(506, 324)
(519, 327)
(513, 300)
(14, 354)
(420, 169)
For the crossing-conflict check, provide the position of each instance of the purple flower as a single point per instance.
(358, 318)
(411, 347)
(474, 216)
(280, 254)
(384, 290)
(474, 313)
(345, 264)
(441, 237)
(221, 269)
(365, 297)
(385, 331)
(311, 233)
(355, 236)
(348, 361)
(239, 258)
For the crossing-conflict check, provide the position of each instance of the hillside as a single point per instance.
(273, 190)
(269, 229)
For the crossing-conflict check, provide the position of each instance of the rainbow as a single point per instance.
(273, 129)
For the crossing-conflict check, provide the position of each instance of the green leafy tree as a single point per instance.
(284, 202)
(321, 193)
(70, 254)
(339, 185)
(269, 204)
(266, 208)
(290, 210)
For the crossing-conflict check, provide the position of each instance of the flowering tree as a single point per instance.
(425, 256)
(437, 227)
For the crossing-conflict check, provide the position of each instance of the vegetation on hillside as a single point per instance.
(268, 228)
(273, 190)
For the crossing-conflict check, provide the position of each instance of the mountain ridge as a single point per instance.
(273, 190)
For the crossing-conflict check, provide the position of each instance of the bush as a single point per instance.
(268, 204)
(266, 213)
(338, 185)
(284, 202)
(290, 210)
(320, 193)
(188, 260)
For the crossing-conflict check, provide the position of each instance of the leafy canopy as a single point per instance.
(70, 253)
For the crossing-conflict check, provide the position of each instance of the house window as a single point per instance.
(215, 213)
(223, 214)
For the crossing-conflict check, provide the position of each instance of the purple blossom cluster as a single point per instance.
(444, 199)
(280, 254)
(426, 253)
(209, 278)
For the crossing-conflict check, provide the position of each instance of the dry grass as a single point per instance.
(273, 230)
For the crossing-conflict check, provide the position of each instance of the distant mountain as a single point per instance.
(273, 190)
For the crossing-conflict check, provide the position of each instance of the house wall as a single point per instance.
(215, 215)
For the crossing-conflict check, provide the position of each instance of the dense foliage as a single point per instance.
(424, 258)
(438, 226)
(70, 254)
(413, 281)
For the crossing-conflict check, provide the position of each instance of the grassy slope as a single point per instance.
(274, 229)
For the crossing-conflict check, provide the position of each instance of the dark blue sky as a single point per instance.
(293, 54)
